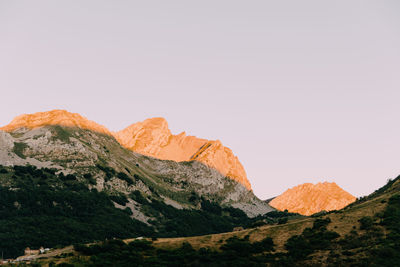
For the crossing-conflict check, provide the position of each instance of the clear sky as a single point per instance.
(302, 91)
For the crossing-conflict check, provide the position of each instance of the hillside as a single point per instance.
(307, 199)
(363, 234)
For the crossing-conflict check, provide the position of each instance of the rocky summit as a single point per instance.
(308, 198)
(152, 137)
(54, 117)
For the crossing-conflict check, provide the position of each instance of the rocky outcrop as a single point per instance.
(54, 117)
(152, 137)
(308, 198)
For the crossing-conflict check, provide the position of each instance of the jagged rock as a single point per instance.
(309, 198)
(152, 137)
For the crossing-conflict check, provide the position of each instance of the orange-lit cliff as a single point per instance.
(308, 198)
(152, 137)
(54, 117)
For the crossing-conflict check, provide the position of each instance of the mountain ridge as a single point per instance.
(151, 137)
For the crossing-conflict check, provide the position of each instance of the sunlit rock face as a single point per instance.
(152, 137)
(54, 117)
(308, 198)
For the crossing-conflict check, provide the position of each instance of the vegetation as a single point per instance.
(19, 149)
(124, 177)
(374, 240)
(61, 133)
(211, 218)
(312, 239)
(45, 209)
(235, 252)
(40, 207)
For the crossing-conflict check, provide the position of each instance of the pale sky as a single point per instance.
(301, 91)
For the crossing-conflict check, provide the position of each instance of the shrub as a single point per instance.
(366, 223)
(124, 177)
(282, 220)
(69, 177)
(89, 177)
(120, 199)
(211, 207)
(320, 224)
(19, 149)
(137, 196)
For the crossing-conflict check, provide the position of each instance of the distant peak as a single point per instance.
(54, 117)
(311, 198)
(156, 120)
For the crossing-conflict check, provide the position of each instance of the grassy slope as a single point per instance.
(342, 223)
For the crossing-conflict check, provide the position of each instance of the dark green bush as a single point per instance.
(120, 199)
(138, 197)
(282, 220)
(19, 149)
(366, 223)
(124, 177)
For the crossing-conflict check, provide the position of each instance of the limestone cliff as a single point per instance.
(308, 198)
(152, 137)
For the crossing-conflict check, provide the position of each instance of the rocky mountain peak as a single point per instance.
(54, 117)
(309, 198)
(152, 137)
(146, 137)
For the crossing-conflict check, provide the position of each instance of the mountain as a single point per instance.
(152, 137)
(73, 144)
(308, 198)
(61, 174)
